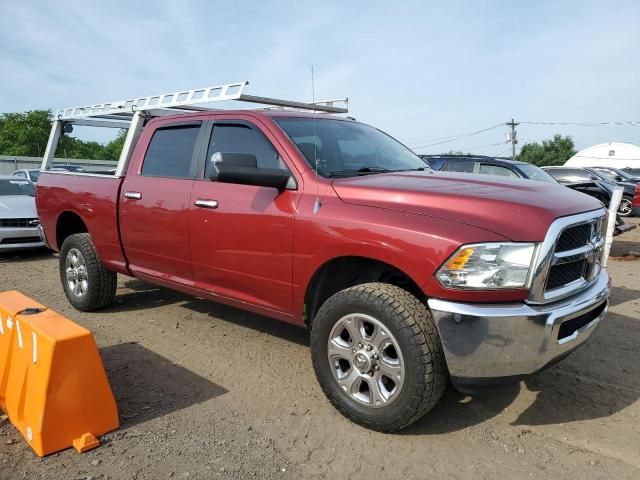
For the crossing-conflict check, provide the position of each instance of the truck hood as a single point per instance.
(17, 206)
(518, 209)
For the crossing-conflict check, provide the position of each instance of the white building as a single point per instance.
(619, 155)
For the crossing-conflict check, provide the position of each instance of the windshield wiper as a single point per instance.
(359, 171)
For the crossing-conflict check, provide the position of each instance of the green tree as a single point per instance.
(111, 151)
(25, 133)
(555, 151)
(451, 153)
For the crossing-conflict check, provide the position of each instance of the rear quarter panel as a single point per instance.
(94, 200)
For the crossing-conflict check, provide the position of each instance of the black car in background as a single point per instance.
(488, 166)
(478, 164)
(634, 172)
(616, 175)
(572, 175)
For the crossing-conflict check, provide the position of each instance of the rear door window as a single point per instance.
(170, 152)
(578, 175)
(462, 167)
(561, 174)
(489, 169)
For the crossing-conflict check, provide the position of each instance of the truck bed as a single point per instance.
(92, 198)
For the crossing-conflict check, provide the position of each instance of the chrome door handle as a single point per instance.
(206, 203)
(133, 195)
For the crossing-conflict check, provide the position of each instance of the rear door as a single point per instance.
(242, 235)
(154, 205)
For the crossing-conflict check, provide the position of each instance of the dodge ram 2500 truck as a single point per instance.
(404, 276)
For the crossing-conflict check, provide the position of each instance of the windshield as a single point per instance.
(17, 187)
(625, 176)
(536, 173)
(347, 148)
(605, 174)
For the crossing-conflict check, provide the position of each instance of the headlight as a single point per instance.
(488, 266)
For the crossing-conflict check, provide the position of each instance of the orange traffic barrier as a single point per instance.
(53, 386)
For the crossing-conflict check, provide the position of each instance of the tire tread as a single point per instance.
(102, 282)
(414, 317)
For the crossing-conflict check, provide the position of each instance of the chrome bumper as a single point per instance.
(18, 238)
(43, 237)
(495, 343)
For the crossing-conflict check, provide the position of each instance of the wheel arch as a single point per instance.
(69, 223)
(343, 272)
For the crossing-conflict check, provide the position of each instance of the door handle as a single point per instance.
(206, 203)
(133, 195)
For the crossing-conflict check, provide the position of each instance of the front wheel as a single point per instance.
(626, 207)
(377, 356)
(87, 283)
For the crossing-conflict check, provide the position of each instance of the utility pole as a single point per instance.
(514, 140)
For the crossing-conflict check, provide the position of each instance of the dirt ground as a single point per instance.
(207, 391)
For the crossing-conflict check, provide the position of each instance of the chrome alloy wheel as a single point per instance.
(366, 360)
(76, 270)
(625, 207)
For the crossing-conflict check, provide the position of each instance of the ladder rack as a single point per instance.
(188, 100)
(131, 113)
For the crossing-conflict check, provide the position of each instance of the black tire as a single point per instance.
(625, 209)
(410, 322)
(101, 282)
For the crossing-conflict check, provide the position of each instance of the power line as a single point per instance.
(587, 124)
(485, 146)
(504, 151)
(453, 138)
(456, 137)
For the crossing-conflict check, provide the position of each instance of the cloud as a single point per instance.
(419, 70)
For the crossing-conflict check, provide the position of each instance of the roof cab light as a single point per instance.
(488, 266)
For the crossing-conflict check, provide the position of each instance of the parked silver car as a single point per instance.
(30, 174)
(18, 216)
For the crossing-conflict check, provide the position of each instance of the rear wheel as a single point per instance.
(626, 207)
(87, 284)
(377, 356)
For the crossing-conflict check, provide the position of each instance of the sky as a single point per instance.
(422, 71)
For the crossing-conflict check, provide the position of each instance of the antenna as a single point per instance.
(316, 205)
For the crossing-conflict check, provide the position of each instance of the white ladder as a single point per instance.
(131, 113)
(189, 100)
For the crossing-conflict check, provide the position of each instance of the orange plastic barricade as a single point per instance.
(53, 386)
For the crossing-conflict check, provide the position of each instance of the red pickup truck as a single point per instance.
(404, 276)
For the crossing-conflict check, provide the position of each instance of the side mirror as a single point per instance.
(242, 169)
(221, 161)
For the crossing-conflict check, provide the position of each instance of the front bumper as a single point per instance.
(19, 238)
(498, 343)
(43, 237)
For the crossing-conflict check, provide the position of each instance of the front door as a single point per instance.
(242, 235)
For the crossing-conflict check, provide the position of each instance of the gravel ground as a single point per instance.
(207, 391)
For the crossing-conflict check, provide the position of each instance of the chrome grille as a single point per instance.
(565, 273)
(570, 257)
(18, 222)
(576, 257)
(574, 237)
